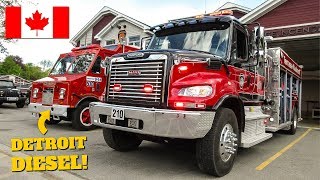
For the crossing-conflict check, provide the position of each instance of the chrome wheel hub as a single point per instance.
(228, 142)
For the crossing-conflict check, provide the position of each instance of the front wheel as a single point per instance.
(216, 151)
(81, 117)
(20, 104)
(121, 140)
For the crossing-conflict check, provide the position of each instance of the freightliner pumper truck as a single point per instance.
(209, 79)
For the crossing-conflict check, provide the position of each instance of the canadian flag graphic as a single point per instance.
(25, 23)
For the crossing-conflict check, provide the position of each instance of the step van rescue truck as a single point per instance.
(75, 80)
(207, 78)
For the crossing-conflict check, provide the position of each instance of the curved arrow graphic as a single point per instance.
(44, 116)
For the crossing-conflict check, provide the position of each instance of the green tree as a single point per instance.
(33, 72)
(9, 66)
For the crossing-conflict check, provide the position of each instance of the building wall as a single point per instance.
(130, 29)
(86, 39)
(291, 12)
(310, 92)
(100, 25)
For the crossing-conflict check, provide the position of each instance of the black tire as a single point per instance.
(52, 122)
(77, 121)
(27, 102)
(294, 119)
(1, 103)
(121, 140)
(208, 150)
(20, 104)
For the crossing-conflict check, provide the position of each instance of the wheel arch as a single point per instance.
(236, 105)
(88, 98)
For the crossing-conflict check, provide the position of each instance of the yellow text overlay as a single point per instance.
(49, 163)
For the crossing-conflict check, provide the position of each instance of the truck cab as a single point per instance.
(75, 80)
(205, 78)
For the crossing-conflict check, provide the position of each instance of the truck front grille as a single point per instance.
(47, 96)
(132, 75)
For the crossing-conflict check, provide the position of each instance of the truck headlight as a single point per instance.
(196, 91)
(35, 92)
(62, 93)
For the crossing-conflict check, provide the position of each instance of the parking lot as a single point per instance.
(292, 157)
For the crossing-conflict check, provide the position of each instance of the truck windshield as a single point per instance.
(6, 84)
(209, 37)
(81, 64)
(62, 65)
(73, 64)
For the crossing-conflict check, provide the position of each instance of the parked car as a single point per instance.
(10, 94)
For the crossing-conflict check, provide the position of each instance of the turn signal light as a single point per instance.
(117, 87)
(148, 88)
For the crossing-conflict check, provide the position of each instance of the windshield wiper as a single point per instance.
(206, 52)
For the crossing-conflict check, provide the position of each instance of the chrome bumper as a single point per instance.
(158, 122)
(55, 110)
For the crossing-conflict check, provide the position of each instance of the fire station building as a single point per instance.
(105, 26)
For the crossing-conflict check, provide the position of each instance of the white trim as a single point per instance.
(261, 10)
(294, 25)
(296, 37)
(107, 28)
(105, 10)
(233, 6)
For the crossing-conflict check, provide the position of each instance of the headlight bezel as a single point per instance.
(196, 91)
(62, 93)
(35, 93)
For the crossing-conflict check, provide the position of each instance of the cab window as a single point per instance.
(96, 66)
(239, 45)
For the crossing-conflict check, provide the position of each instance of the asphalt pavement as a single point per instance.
(160, 161)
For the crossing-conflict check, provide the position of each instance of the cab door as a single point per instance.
(247, 79)
(95, 78)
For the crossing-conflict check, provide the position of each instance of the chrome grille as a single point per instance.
(47, 96)
(145, 71)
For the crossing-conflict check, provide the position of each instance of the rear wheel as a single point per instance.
(20, 104)
(216, 151)
(294, 120)
(81, 117)
(1, 103)
(121, 140)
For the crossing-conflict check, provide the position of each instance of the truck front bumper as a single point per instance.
(55, 110)
(157, 122)
(12, 99)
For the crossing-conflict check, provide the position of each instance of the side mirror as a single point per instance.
(258, 32)
(145, 43)
(105, 62)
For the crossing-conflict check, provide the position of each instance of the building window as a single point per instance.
(110, 42)
(134, 41)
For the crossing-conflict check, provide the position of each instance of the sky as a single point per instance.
(151, 12)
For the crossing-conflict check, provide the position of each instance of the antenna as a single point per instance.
(205, 6)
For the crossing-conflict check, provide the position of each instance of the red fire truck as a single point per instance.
(75, 80)
(209, 79)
